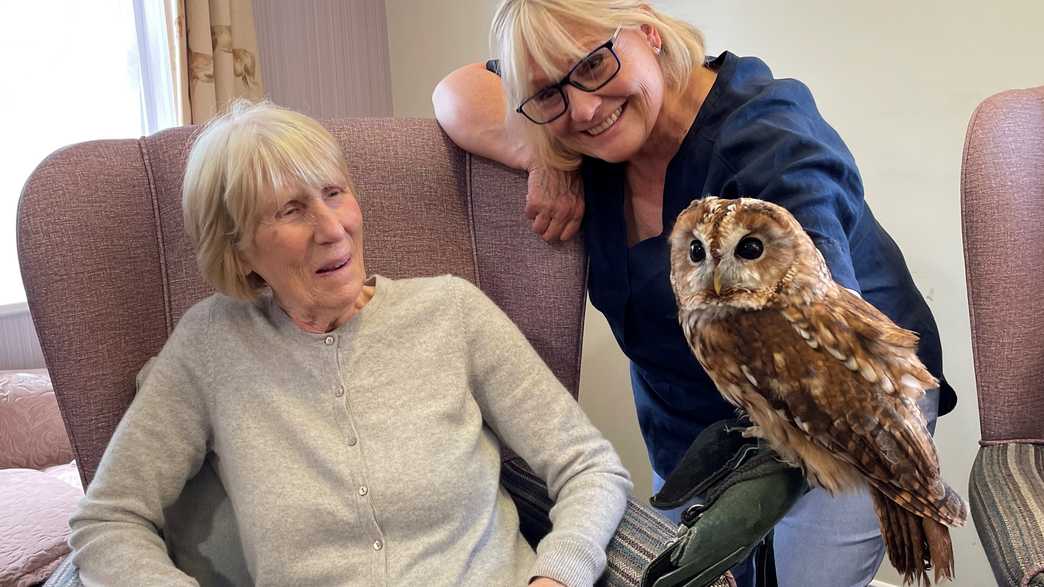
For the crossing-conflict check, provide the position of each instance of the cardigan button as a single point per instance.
(328, 340)
(377, 545)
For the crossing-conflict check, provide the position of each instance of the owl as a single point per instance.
(828, 381)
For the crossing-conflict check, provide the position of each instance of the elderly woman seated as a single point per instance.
(354, 421)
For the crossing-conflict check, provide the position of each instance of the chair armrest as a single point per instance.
(642, 534)
(1006, 493)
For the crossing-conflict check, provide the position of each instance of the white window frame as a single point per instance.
(158, 92)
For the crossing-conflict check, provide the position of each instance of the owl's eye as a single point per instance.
(696, 252)
(749, 248)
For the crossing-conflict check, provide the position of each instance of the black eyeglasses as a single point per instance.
(592, 72)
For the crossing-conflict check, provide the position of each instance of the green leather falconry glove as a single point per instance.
(738, 489)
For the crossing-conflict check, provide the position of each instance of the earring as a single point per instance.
(656, 50)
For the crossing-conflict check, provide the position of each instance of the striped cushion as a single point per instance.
(642, 534)
(65, 575)
(1007, 504)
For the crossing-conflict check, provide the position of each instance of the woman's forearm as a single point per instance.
(470, 106)
(530, 411)
(159, 444)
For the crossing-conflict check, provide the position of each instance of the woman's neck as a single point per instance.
(318, 321)
(647, 170)
(678, 112)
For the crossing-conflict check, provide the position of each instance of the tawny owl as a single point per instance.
(827, 380)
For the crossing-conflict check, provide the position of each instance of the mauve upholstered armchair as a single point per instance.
(1002, 211)
(108, 272)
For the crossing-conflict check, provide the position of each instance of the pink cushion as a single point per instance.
(34, 524)
(32, 434)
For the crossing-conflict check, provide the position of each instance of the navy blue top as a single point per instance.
(759, 137)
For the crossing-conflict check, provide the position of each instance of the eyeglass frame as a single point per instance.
(560, 84)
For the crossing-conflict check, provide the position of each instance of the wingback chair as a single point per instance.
(1002, 212)
(108, 272)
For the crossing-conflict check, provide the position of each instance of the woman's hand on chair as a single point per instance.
(555, 203)
(545, 582)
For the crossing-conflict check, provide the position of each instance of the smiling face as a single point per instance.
(537, 42)
(308, 247)
(613, 122)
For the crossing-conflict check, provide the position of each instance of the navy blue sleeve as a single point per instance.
(778, 148)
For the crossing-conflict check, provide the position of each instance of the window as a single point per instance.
(74, 71)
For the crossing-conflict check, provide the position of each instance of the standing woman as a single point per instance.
(620, 95)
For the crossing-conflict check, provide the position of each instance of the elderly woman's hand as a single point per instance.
(555, 203)
(545, 582)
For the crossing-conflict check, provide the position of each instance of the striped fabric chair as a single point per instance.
(108, 272)
(1002, 210)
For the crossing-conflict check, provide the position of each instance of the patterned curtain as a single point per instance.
(215, 55)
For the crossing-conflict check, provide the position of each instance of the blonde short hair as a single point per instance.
(237, 163)
(534, 31)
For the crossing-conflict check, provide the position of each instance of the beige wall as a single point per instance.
(428, 39)
(898, 80)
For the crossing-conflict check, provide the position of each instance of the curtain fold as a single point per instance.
(215, 55)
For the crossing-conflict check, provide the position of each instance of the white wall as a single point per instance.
(898, 80)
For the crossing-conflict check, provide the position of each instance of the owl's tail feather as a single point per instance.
(914, 544)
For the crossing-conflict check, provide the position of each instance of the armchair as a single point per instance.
(108, 272)
(1002, 212)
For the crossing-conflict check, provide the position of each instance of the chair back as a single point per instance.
(108, 269)
(1002, 215)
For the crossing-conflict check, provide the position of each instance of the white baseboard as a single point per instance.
(14, 309)
(876, 583)
(19, 347)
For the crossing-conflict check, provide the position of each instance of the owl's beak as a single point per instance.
(717, 282)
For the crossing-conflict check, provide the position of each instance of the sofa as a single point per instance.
(39, 483)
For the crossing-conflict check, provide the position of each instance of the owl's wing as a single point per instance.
(855, 332)
(847, 377)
